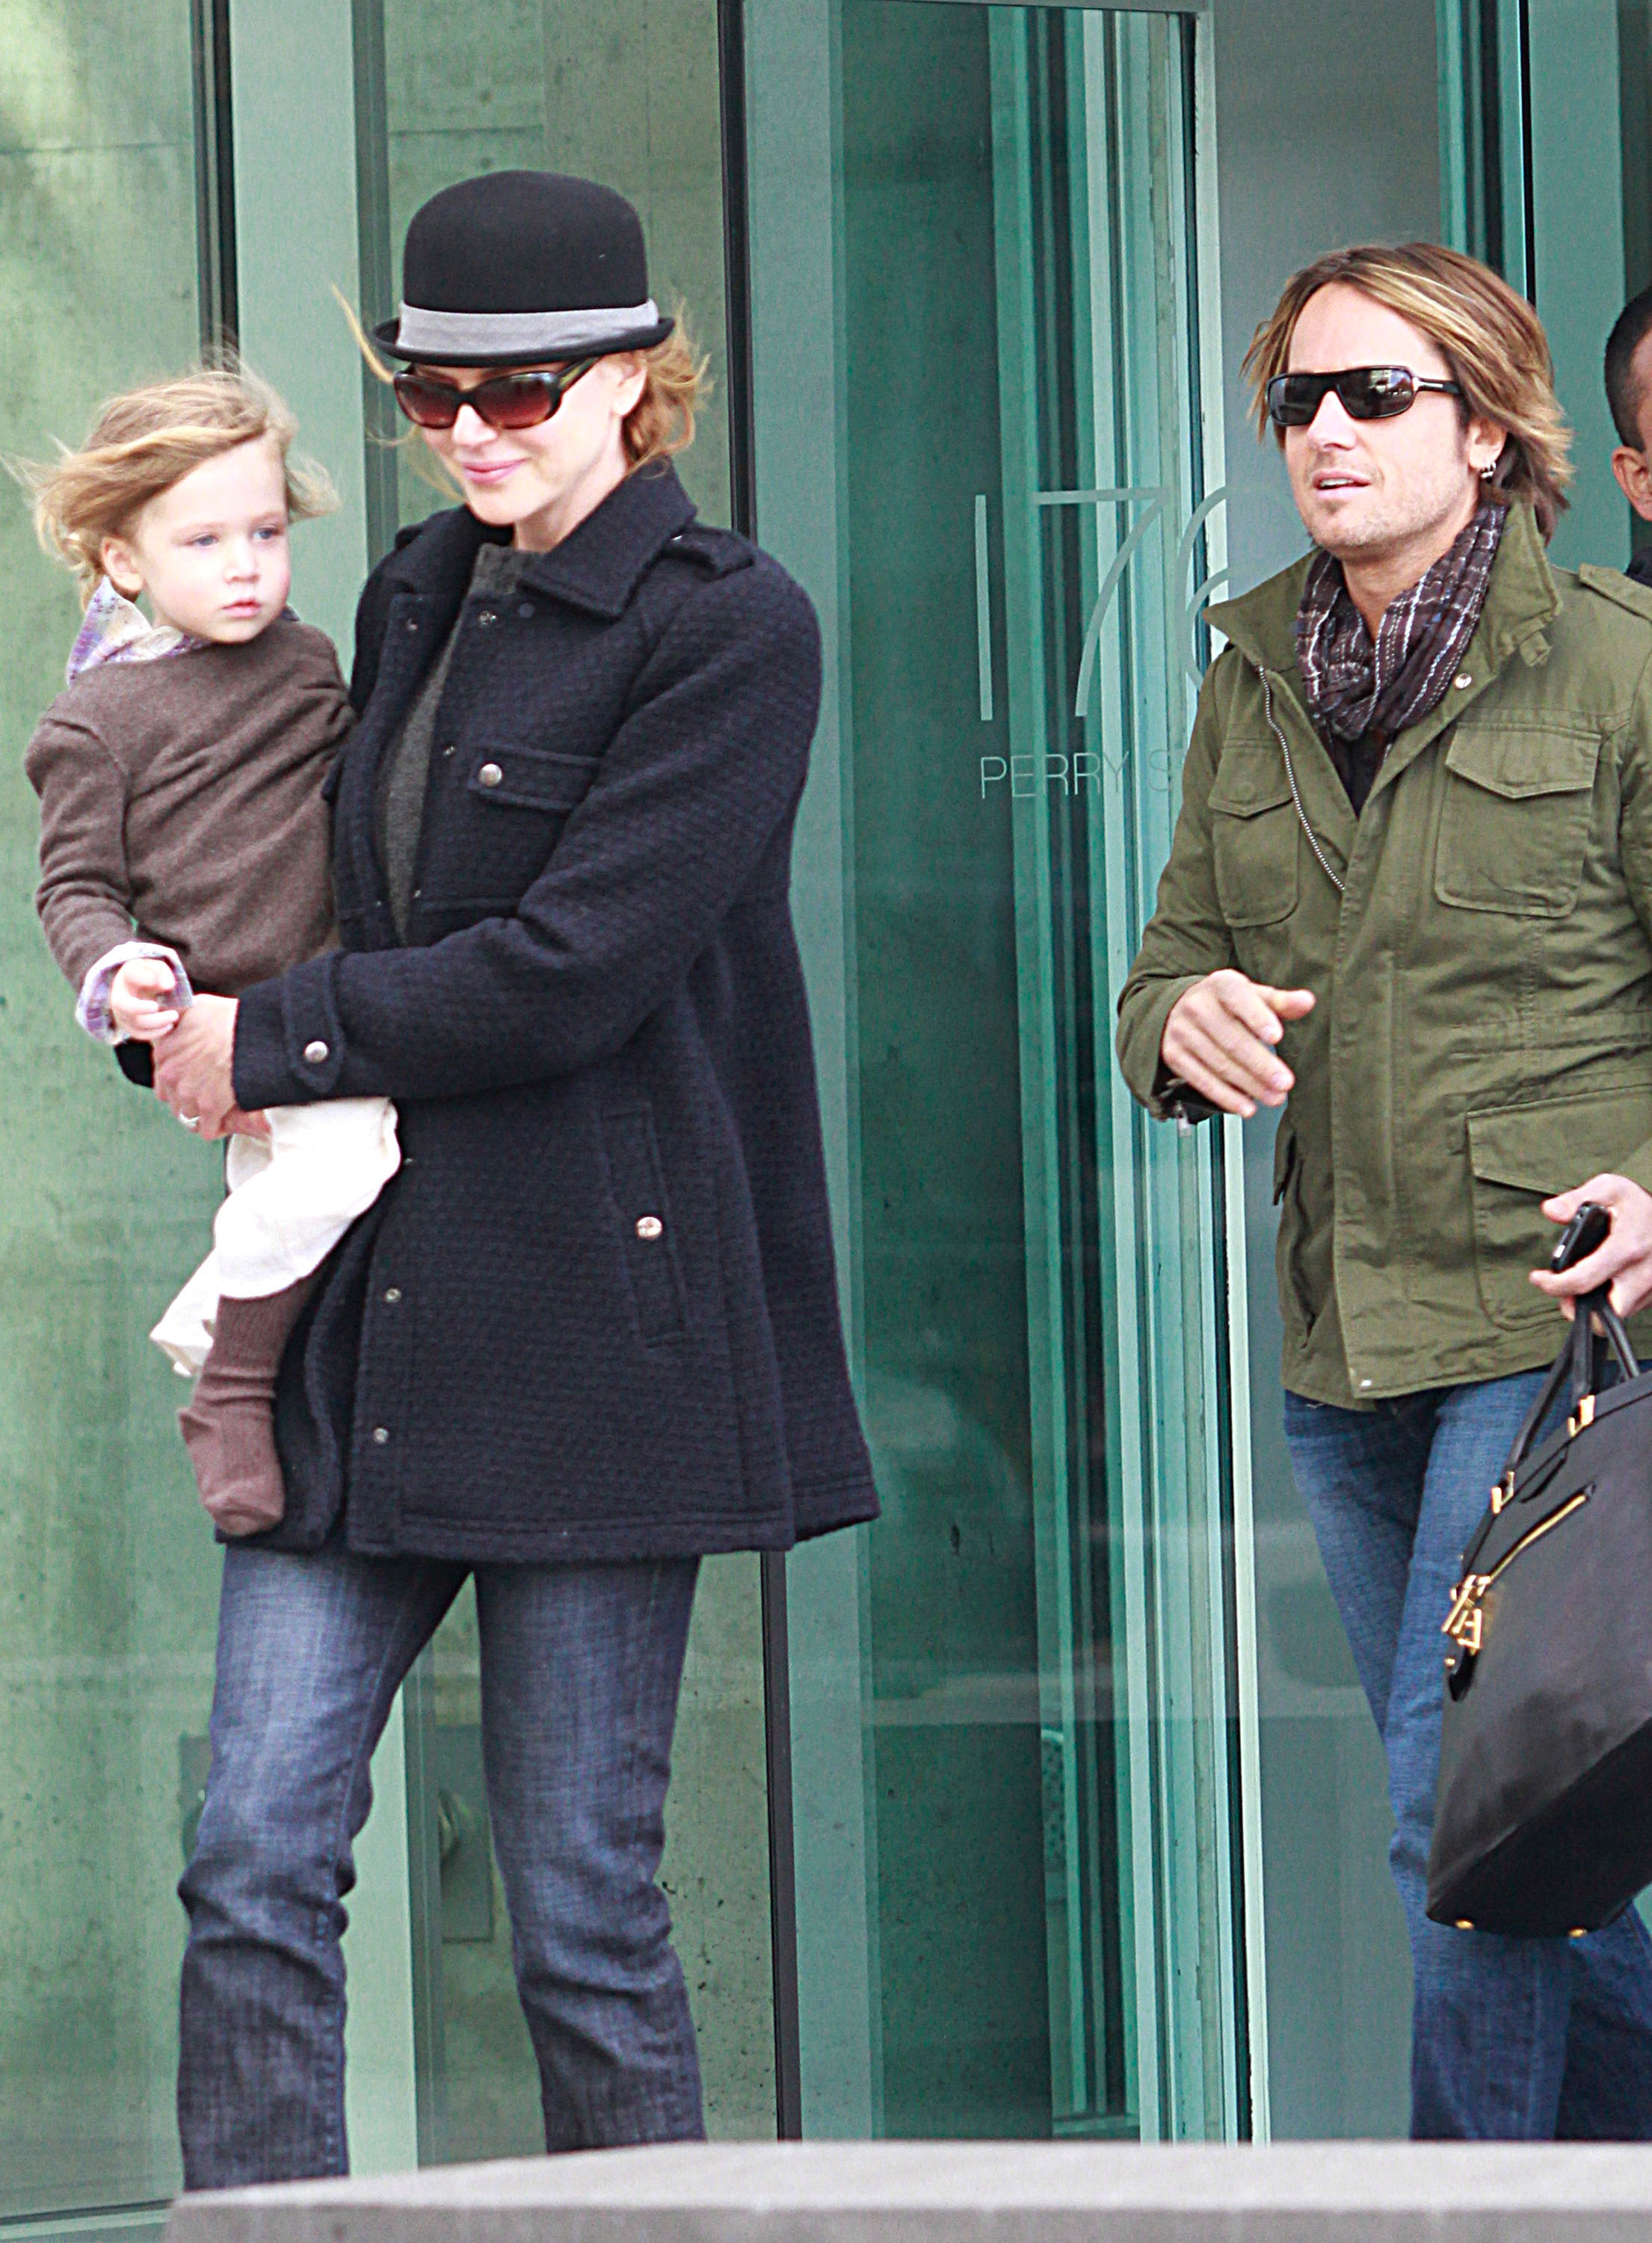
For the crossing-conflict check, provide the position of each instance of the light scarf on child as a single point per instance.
(116, 630)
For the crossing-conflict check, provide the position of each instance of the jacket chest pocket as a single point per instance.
(518, 800)
(1514, 820)
(1254, 835)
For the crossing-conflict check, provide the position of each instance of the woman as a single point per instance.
(591, 1331)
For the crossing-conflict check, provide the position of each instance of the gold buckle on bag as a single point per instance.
(1464, 1621)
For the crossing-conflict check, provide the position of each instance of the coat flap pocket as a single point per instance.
(1249, 780)
(1517, 763)
(529, 778)
(1553, 1147)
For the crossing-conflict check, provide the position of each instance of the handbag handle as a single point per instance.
(1576, 1362)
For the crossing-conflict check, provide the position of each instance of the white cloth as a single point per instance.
(290, 1202)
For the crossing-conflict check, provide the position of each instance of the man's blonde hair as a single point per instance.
(1491, 338)
(143, 441)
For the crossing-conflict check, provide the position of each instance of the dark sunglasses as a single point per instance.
(504, 400)
(1368, 393)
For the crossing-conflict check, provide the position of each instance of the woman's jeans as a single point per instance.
(1512, 2040)
(580, 1666)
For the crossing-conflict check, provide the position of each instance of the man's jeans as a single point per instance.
(580, 1666)
(1513, 2039)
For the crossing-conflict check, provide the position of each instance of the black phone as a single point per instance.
(1587, 1229)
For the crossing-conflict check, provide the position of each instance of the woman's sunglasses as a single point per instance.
(504, 400)
(1368, 393)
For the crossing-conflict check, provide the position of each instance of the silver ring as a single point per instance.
(190, 1121)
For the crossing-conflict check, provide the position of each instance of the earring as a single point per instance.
(1488, 471)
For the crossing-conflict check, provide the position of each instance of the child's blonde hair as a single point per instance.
(143, 441)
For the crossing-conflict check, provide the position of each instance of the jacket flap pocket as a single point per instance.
(1552, 1147)
(529, 778)
(1516, 763)
(1249, 780)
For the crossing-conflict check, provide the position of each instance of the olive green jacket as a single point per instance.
(1482, 1036)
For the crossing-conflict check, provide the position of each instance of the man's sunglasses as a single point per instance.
(1368, 393)
(504, 400)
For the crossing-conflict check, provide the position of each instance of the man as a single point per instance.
(1408, 901)
(1629, 393)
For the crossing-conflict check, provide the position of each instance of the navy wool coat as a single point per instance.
(595, 1314)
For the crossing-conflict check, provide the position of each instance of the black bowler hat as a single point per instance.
(521, 265)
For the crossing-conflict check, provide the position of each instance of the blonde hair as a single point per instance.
(1491, 338)
(143, 441)
(675, 389)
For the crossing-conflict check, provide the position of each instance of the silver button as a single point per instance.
(1364, 1383)
(448, 749)
(488, 616)
(393, 1294)
(1463, 677)
(381, 1434)
(650, 1227)
(489, 774)
(315, 1051)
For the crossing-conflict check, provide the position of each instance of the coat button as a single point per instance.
(448, 748)
(412, 623)
(487, 616)
(315, 1051)
(526, 612)
(393, 1294)
(381, 1434)
(489, 774)
(1463, 677)
(650, 1227)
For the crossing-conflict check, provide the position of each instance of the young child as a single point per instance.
(186, 844)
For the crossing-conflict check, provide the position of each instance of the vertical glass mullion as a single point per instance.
(1011, 32)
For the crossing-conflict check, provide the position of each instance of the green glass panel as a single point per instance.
(109, 1567)
(627, 95)
(981, 220)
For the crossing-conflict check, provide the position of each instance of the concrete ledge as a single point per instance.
(969, 2192)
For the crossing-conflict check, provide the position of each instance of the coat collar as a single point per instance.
(597, 567)
(1520, 600)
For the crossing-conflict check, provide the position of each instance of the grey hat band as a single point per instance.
(438, 335)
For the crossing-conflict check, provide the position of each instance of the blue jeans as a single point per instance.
(580, 1666)
(1512, 2040)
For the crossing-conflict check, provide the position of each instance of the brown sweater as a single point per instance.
(181, 800)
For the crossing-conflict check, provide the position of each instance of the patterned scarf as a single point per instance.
(116, 630)
(1354, 687)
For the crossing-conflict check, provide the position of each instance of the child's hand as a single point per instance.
(136, 999)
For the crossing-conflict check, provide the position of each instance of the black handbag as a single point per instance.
(1543, 1817)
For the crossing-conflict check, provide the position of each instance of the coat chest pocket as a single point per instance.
(529, 778)
(1514, 820)
(1253, 836)
(646, 1229)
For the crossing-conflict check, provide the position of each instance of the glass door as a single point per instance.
(982, 440)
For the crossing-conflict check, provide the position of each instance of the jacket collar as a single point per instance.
(597, 567)
(1520, 600)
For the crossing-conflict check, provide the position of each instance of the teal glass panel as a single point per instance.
(109, 1567)
(980, 443)
(628, 94)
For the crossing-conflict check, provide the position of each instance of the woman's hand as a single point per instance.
(194, 1072)
(138, 999)
(1625, 1258)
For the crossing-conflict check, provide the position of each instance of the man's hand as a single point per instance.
(136, 1000)
(194, 1072)
(1626, 1257)
(1220, 1035)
